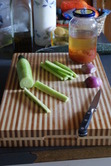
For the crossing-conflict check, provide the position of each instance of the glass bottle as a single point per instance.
(44, 21)
(83, 36)
(22, 25)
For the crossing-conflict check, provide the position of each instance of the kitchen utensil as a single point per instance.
(87, 118)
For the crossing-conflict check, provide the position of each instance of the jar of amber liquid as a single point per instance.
(83, 36)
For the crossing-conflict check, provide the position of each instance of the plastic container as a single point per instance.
(83, 36)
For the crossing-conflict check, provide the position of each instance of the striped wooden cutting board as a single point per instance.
(23, 123)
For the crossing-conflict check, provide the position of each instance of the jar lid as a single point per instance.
(83, 13)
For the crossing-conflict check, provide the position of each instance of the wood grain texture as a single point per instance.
(23, 123)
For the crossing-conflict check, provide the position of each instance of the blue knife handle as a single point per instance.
(85, 123)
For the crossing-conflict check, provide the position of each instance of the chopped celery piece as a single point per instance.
(50, 91)
(56, 68)
(59, 70)
(65, 76)
(44, 66)
(65, 68)
(37, 101)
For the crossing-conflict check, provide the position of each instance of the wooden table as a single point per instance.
(9, 156)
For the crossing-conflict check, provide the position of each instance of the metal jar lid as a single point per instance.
(83, 13)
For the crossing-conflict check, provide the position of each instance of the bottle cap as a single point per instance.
(83, 13)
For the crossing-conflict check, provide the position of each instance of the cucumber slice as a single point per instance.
(24, 72)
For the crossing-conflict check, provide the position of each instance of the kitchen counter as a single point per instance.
(11, 156)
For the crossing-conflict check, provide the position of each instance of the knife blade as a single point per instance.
(87, 118)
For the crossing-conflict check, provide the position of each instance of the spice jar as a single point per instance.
(83, 36)
(22, 25)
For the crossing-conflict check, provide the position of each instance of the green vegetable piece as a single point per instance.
(65, 68)
(44, 66)
(24, 72)
(64, 75)
(46, 89)
(37, 101)
(56, 68)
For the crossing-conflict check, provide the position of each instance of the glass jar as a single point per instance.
(83, 36)
(59, 36)
(22, 26)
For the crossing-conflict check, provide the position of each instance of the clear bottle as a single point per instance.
(22, 25)
(83, 36)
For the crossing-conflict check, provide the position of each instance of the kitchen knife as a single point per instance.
(87, 118)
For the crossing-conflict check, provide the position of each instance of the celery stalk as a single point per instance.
(37, 101)
(64, 75)
(59, 74)
(65, 68)
(56, 68)
(44, 66)
(46, 89)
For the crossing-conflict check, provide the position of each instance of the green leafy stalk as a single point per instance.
(37, 101)
(46, 89)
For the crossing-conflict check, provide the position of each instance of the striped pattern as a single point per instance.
(23, 123)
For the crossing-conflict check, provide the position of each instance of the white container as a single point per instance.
(44, 20)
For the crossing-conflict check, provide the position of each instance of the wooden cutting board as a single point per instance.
(23, 123)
